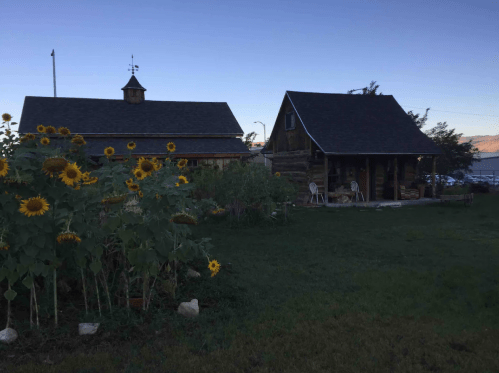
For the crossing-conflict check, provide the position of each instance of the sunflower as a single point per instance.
(78, 140)
(171, 147)
(40, 128)
(146, 166)
(129, 181)
(7, 132)
(6, 117)
(177, 184)
(157, 166)
(139, 174)
(64, 131)
(85, 176)
(182, 180)
(277, 174)
(114, 199)
(182, 163)
(50, 129)
(44, 141)
(141, 194)
(68, 237)
(30, 136)
(131, 145)
(4, 167)
(18, 196)
(23, 139)
(158, 196)
(134, 187)
(214, 267)
(91, 180)
(183, 218)
(5, 247)
(71, 174)
(109, 151)
(34, 206)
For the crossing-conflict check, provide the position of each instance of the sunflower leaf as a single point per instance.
(40, 241)
(37, 268)
(28, 282)
(21, 269)
(3, 273)
(31, 251)
(95, 267)
(12, 276)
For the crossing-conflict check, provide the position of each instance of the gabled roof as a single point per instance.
(99, 116)
(133, 83)
(157, 146)
(358, 124)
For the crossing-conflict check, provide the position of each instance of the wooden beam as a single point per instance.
(326, 179)
(368, 181)
(433, 170)
(395, 181)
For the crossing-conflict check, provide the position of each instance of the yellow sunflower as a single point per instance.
(214, 267)
(64, 131)
(78, 140)
(91, 180)
(277, 174)
(177, 184)
(134, 187)
(6, 117)
(34, 206)
(4, 167)
(68, 237)
(109, 151)
(129, 181)
(114, 199)
(171, 147)
(6, 247)
(7, 132)
(182, 180)
(50, 129)
(141, 194)
(146, 166)
(30, 136)
(40, 128)
(85, 176)
(183, 218)
(54, 164)
(23, 139)
(158, 196)
(44, 141)
(71, 174)
(18, 196)
(182, 163)
(139, 174)
(131, 145)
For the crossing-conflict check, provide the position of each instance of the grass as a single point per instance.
(414, 289)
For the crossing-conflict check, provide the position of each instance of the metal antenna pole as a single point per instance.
(53, 61)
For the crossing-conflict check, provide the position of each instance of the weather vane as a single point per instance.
(133, 68)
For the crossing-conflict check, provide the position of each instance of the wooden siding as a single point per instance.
(289, 140)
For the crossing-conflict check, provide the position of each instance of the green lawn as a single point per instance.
(412, 289)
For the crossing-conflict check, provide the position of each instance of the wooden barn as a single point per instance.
(201, 131)
(333, 139)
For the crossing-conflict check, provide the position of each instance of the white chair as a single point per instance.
(315, 192)
(355, 188)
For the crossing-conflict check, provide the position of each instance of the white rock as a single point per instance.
(8, 335)
(189, 309)
(192, 273)
(88, 328)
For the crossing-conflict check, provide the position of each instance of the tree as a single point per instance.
(367, 91)
(455, 157)
(250, 137)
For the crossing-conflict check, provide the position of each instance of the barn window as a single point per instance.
(290, 120)
(192, 163)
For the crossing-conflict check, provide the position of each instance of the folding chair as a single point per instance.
(315, 192)
(355, 188)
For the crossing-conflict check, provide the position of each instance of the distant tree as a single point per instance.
(367, 91)
(421, 121)
(250, 137)
(455, 156)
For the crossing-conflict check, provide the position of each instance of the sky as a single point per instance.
(438, 54)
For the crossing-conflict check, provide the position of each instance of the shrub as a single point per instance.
(479, 188)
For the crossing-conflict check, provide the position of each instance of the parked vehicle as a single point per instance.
(446, 180)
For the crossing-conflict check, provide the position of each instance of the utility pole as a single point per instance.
(264, 140)
(53, 61)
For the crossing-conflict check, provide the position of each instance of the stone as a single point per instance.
(192, 273)
(189, 309)
(88, 328)
(8, 335)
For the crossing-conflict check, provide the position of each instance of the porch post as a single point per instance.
(395, 181)
(433, 170)
(326, 179)
(368, 179)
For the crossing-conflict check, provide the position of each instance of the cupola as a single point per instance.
(133, 92)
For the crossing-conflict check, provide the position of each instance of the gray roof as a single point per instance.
(359, 124)
(133, 83)
(157, 146)
(99, 116)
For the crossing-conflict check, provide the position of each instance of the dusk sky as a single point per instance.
(438, 54)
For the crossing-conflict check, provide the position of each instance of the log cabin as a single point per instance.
(334, 139)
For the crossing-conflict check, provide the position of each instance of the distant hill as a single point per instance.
(486, 144)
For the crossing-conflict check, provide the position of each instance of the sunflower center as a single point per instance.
(2, 166)
(147, 166)
(71, 174)
(34, 205)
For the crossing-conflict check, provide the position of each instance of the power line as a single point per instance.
(444, 111)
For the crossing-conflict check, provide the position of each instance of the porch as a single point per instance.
(382, 203)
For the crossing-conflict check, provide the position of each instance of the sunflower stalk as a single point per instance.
(8, 310)
(98, 298)
(84, 291)
(36, 306)
(154, 283)
(104, 281)
(31, 308)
